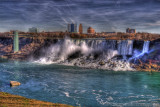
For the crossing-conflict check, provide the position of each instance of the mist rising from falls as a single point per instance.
(61, 50)
(98, 54)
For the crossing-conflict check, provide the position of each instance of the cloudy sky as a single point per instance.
(103, 15)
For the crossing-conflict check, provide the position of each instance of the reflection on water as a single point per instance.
(81, 87)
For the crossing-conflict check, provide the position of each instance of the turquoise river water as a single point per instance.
(79, 86)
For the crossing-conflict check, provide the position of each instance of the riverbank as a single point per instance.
(27, 47)
(9, 100)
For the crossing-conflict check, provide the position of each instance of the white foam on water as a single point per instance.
(67, 94)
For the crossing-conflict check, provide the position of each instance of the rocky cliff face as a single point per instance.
(27, 47)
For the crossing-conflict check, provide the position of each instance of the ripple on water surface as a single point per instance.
(81, 87)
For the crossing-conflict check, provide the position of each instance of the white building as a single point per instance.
(33, 30)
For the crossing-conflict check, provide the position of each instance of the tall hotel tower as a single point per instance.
(80, 29)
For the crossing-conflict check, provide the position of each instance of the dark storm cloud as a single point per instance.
(103, 15)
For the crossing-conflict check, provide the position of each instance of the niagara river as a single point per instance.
(80, 86)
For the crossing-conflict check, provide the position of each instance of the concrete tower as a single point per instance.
(80, 29)
(16, 42)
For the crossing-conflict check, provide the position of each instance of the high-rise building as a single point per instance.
(128, 30)
(33, 30)
(80, 29)
(90, 30)
(72, 28)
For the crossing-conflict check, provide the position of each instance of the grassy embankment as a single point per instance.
(8, 100)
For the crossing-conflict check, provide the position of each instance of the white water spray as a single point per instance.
(98, 55)
(61, 50)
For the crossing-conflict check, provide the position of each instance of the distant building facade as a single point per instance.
(108, 32)
(80, 29)
(11, 32)
(128, 30)
(90, 30)
(72, 28)
(33, 30)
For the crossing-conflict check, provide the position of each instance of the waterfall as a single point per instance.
(125, 47)
(146, 46)
(101, 45)
(63, 49)
(90, 53)
(138, 54)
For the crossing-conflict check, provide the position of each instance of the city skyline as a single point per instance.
(102, 15)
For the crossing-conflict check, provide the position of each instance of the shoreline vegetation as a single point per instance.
(9, 100)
